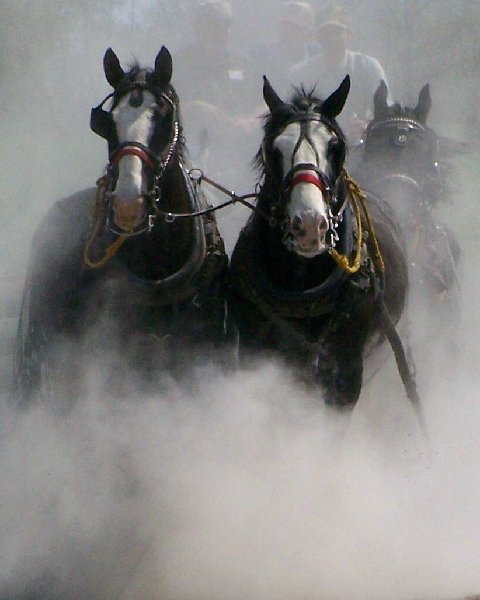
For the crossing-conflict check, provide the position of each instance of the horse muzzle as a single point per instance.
(129, 215)
(307, 232)
(306, 187)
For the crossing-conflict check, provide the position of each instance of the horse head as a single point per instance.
(302, 156)
(143, 133)
(402, 152)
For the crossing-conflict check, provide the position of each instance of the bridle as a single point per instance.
(102, 123)
(401, 130)
(404, 127)
(310, 173)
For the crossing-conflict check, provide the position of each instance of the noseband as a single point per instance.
(313, 175)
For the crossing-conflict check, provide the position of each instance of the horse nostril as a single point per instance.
(322, 224)
(296, 224)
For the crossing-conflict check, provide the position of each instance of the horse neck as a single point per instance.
(174, 198)
(174, 195)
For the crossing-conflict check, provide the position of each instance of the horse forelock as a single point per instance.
(141, 76)
(425, 167)
(302, 101)
(145, 77)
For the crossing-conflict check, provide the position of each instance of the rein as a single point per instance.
(100, 122)
(196, 175)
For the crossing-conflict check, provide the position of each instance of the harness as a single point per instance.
(331, 190)
(404, 128)
(207, 257)
(401, 131)
(308, 173)
(102, 123)
(344, 200)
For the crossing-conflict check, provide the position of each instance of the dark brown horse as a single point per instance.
(318, 275)
(404, 161)
(145, 286)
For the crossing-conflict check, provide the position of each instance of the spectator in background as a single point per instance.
(327, 69)
(209, 69)
(219, 95)
(295, 42)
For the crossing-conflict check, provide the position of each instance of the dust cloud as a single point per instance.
(244, 485)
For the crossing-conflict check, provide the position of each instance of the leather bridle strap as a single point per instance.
(308, 178)
(307, 173)
(129, 149)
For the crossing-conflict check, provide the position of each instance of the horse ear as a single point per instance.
(380, 105)
(424, 104)
(334, 104)
(273, 100)
(113, 71)
(163, 67)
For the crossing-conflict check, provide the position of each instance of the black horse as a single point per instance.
(401, 161)
(318, 275)
(114, 262)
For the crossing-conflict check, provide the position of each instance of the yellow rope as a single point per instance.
(357, 194)
(98, 214)
(377, 255)
(341, 259)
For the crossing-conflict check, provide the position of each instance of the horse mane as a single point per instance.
(301, 101)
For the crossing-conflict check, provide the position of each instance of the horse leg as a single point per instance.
(252, 328)
(340, 362)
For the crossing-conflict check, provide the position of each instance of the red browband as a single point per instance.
(308, 178)
(135, 151)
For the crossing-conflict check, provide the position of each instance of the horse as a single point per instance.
(401, 160)
(318, 276)
(126, 263)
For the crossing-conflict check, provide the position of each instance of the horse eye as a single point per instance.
(336, 146)
(336, 150)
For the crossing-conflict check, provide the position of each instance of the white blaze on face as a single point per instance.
(134, 124)
(307, 208)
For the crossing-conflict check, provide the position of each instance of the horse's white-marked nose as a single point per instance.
(309, 226)
(128, 213)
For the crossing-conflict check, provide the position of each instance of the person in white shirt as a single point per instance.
(327, 69)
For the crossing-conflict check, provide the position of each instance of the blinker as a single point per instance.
(102, 123)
